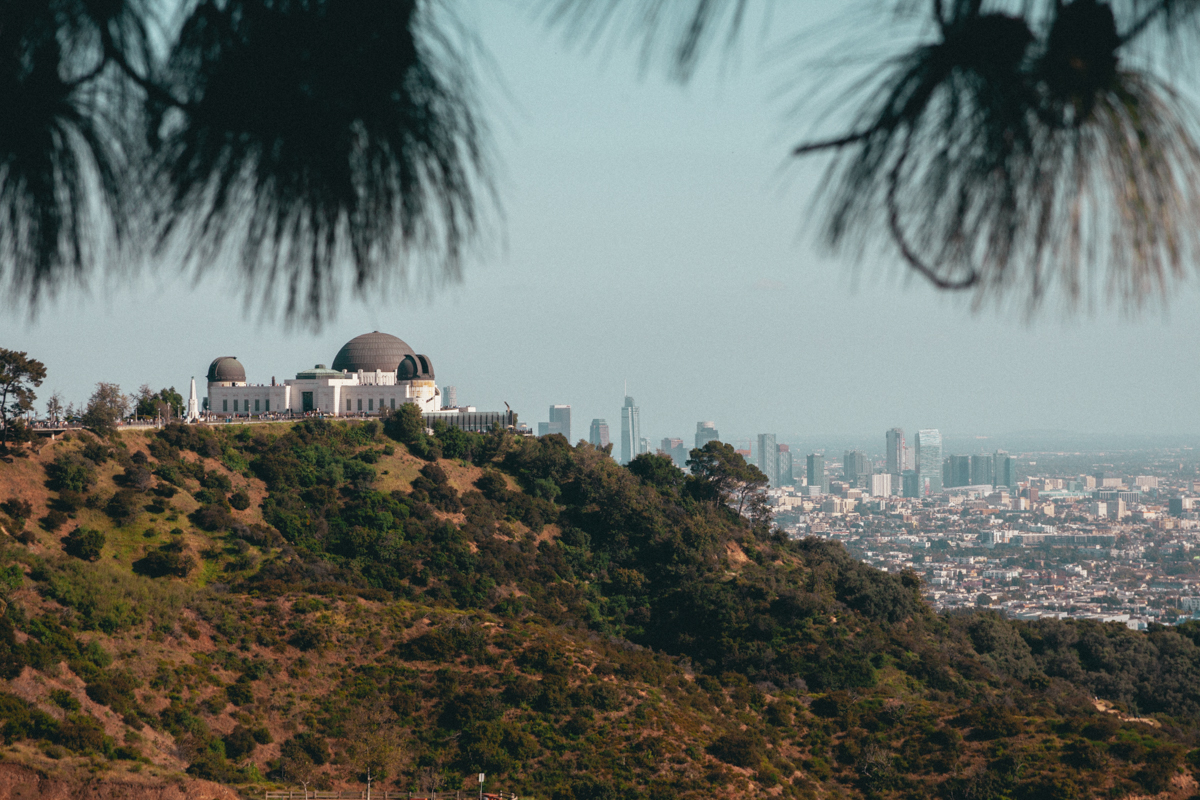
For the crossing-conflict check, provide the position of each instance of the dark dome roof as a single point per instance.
(370, 352)
(226, 369)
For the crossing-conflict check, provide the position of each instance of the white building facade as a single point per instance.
(372, 374)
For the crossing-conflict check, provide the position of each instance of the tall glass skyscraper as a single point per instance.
(706, 432)
(816, 470)
(598, 435)
(895, 451)
(929, 461)
(1004, 470)
(560, 421)
(768, 457)
(631, 431)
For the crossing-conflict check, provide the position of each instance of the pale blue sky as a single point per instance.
(659, 235)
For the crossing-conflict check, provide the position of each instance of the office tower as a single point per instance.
(786, 477)
(960, 471)
(981, 470)
(855, 467)
(881, 484)
(910, 484)
(631, 431)
(816, 471)
(929, 461)
(560, 420)
(598, 435)
(895, 451)
(706, 432)
(675, 449)
(449, 397)
(544, 429)
(768, 457)
(1004, 470)
(643, 445)
(1178, 506)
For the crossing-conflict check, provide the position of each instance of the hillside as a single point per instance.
(232, 610)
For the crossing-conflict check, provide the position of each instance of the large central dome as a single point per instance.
(372, 351)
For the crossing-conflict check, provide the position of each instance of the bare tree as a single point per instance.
(373, 734)
(54, 408)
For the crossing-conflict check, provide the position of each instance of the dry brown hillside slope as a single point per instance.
(253, 607)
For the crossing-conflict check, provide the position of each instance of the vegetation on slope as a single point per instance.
(299, 603)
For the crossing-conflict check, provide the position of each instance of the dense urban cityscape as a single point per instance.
(1032, 534)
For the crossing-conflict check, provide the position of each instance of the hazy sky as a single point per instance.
(659, 235)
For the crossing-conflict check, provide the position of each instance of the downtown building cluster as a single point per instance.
(1029, 542)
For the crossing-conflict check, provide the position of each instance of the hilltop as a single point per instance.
(227, 610)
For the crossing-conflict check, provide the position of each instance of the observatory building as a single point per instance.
(372, 374)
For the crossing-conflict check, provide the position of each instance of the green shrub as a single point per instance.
(19, 510)
(71, 472)
(53, 520)
(738, 748)
(164, 562)
(240, 693)
(239, 500)
(306, 747)
(124, 506)
(64, 700)
(85, 544)
(20, 720)
(82, 733)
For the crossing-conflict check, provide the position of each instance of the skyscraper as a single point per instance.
(768, 457)
(816, 471)
(1004, 470)
(598, 435)
(929, 461)
(786, 478)
(855, 468)
(560, 421)
(706, 432)
(960, 471)
(675, 449)
(981, 470)
(895, 451)
(631, 431)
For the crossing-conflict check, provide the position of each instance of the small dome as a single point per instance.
(415, 368)
(226, 369)
(370, 352)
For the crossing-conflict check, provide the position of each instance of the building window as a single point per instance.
(360, 404)
(255, 406)
(235, 405)
(267, 405)
(381, 404)
(347, 403)
(225, 406)
(370, 404)
(393, 404)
